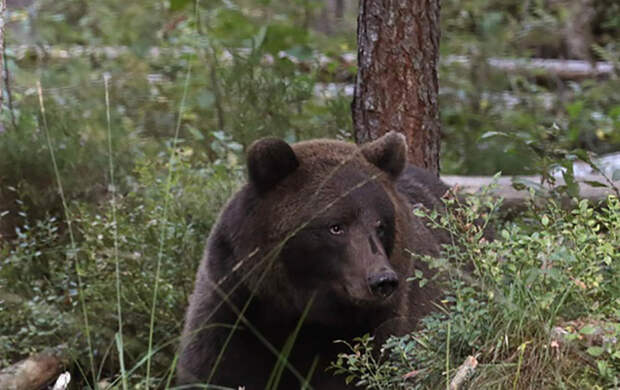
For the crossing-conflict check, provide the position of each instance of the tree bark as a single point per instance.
(2, 78)
(396, 86)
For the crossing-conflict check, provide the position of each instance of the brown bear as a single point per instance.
(315, 247)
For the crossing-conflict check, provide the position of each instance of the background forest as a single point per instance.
(123, 130)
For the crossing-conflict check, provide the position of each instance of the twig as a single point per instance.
(7, 85)
(464, 372)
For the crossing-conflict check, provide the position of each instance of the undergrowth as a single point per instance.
(40, 306)
(538, 307)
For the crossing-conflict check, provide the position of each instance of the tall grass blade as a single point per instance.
(164, 218)
(448, 359)
(518, 374)
(306, 383)
(278, 369)
(255, 332)
(173, 367)
(67, 213)
(119, 311)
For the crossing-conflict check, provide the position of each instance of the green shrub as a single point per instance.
(38, 272)
(539, 309)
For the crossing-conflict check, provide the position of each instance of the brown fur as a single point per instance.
(273, 253)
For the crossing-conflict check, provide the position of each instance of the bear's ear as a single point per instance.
(269, 161)
(388, 152)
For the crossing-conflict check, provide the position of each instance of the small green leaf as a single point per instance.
(595, 351)
(593, 183)
(195, 133)
(419, 213)
(571, 336)
(544, 220)
(588, 330)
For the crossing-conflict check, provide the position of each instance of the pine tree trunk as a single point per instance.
(396, 86)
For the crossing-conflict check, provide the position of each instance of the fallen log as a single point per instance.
(564, 69)
(35, 371)
(516, 198)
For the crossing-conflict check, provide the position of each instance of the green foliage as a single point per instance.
(526, 304)
(234, 88)
(363, 368)
(37, 273)
(242, 87)
(232, 93)
(476, 99)
(233, 98)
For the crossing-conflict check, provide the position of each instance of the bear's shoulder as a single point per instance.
(421, 187)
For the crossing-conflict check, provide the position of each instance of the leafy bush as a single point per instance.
(540, 306)
(46, 302)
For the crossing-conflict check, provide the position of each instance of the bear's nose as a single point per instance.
(383, 285)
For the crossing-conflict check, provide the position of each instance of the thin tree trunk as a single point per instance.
(578, 29)
(396, 86)
(324, 24)
(2, 58)
(339, 9)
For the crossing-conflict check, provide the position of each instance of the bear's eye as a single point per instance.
(380, 229)
(336, 230)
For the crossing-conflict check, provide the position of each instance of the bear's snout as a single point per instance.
(383, 284)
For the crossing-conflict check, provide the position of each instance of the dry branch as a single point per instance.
(464, 372)
(34, 372)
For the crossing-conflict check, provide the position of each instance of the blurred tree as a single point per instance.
(396, 86)
(578, 29)
(2, 12)
(339, 9)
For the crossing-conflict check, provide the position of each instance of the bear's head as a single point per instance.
(332, 215)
